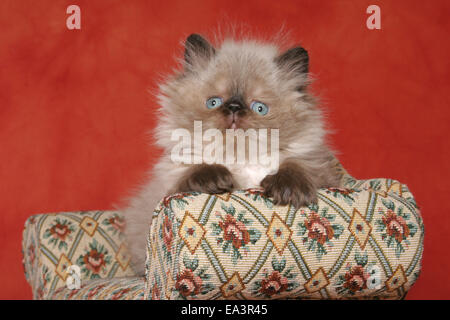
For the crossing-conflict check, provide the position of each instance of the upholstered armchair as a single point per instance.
(361, 241)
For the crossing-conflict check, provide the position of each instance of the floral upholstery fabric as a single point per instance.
(126, 288)
(92, 240)
(364, 240)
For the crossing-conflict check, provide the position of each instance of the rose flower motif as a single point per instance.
(118, 223)
(319, 228)
(275, 283)
(234, 231)
(254, 191)
(94, 261)
(356, 279)
(343, 191)
(396, 226)
(120, 294)
(176, 196)
(31, 253)
(156, 294)
(188, 284)
(167, 233)
(94, 291)
(60, 231)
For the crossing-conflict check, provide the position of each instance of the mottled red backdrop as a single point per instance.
(74, 106)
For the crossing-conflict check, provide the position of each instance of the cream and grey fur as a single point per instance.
(240, 71)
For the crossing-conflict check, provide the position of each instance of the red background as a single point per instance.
(74, 106)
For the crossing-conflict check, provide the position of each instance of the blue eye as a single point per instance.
(214, 102)
(259, 108)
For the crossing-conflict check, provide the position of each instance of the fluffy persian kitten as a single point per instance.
(240, 84)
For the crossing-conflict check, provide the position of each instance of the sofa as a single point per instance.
(363, 240)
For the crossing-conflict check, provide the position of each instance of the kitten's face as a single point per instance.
(240, 85)
(238, 93)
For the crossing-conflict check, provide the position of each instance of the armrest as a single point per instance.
(363, 242)
(92, 240)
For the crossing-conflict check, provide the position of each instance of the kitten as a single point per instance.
(221, 87)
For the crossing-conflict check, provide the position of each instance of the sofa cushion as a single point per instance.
(364, 240)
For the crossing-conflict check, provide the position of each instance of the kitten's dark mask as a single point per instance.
(236, 110)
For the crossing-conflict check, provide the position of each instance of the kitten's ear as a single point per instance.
(197, 47)
(295, 59)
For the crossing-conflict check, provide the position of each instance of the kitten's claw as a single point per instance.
(206, 178)
(286, 187)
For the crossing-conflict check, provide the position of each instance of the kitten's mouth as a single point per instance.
(232, 120)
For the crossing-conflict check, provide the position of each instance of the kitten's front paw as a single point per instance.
(206, 178)
(288, 187)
